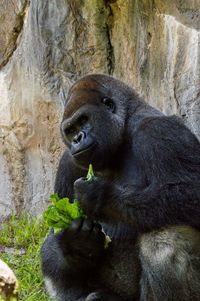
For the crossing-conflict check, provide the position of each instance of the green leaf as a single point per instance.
(60, 215)
(90, 175)
(62, 205)
(107, 241)
(51, 214)
(76, 211)
(54, 198)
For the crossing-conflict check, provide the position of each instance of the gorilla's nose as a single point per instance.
(79, 137)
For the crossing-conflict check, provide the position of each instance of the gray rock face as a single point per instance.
(46, 45)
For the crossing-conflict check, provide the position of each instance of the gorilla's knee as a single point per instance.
(157, 247)
(172, 245)
(170, 262)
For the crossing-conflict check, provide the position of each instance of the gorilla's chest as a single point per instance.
(127, 172)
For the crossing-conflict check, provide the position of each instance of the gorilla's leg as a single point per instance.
(170, 265)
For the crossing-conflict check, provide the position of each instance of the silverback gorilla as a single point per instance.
(146, 195)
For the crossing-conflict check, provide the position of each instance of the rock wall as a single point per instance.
(45, 45)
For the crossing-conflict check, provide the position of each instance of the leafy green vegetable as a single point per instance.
(107, 241)
(61, 214)
(90, 174)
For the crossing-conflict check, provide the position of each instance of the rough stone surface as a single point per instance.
(46, 45)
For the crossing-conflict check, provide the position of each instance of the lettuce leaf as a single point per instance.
(90, 175)
(62, 212)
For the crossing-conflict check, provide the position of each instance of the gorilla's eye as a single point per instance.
(82, 120)
(109, 103)
(69, 131)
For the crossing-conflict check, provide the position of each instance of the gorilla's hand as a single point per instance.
(82, 244)
(91, 195)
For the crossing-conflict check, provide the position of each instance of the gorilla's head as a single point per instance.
(94, 119)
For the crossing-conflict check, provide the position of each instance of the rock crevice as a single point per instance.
(9, 44)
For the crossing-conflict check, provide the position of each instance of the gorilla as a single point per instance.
(146, 196)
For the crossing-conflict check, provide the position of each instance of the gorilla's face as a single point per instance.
(93, 123)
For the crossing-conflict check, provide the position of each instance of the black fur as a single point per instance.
(146, 194)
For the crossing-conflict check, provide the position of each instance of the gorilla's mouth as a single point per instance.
(84, 151)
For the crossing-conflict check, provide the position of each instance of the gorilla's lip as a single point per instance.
(84, 150)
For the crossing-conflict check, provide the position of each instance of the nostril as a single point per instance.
(79, 137)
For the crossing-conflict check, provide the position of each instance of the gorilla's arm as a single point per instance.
(67, 173)
(71, 257)
(169, 156)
